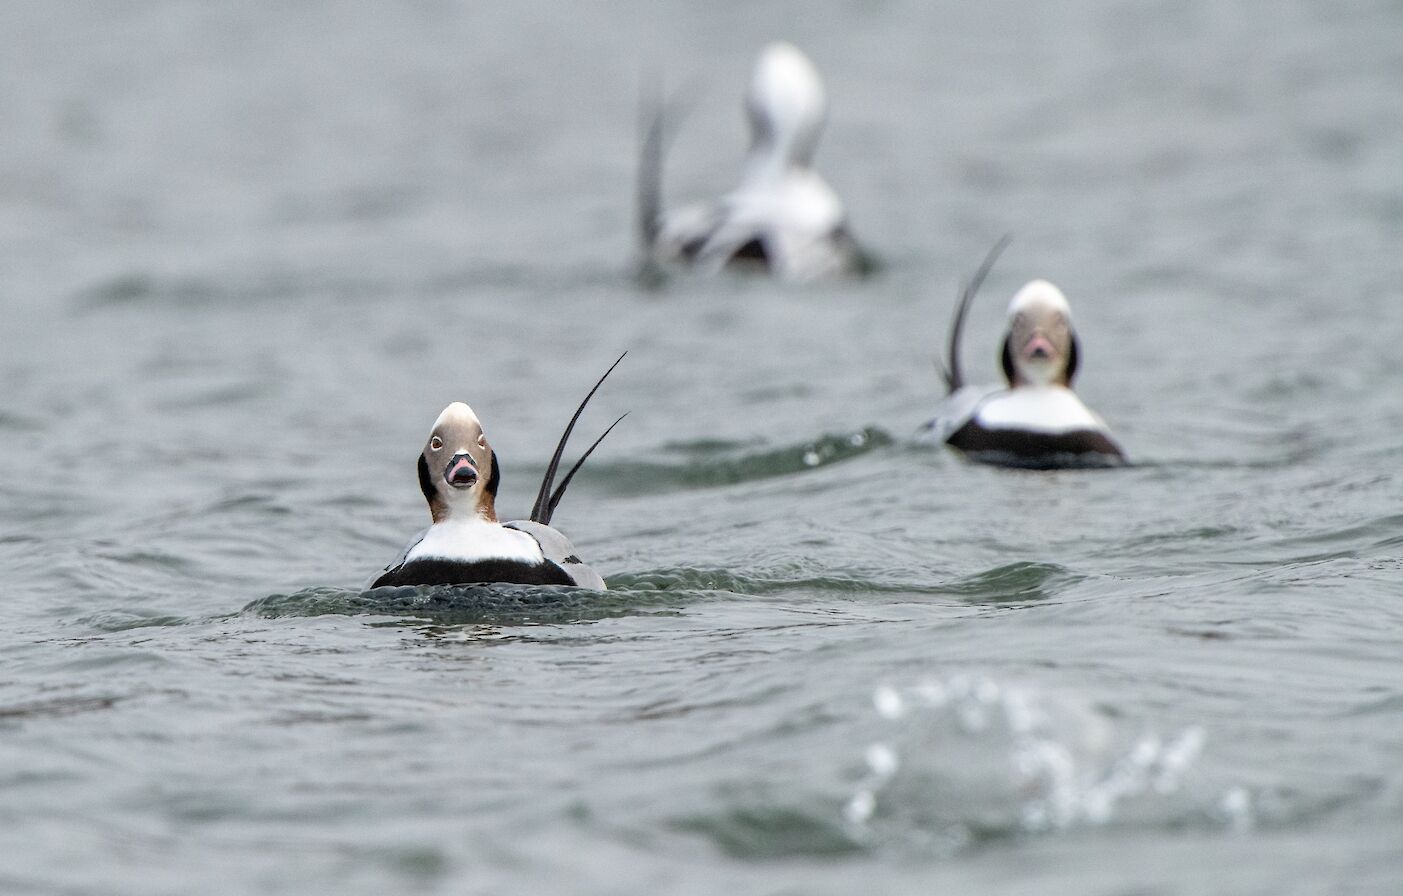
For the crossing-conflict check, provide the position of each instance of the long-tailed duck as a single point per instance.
(783, 218)
(1037, 422)
(459, 475)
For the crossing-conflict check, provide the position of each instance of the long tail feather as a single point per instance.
(648, 184)
(564, 483)
(659, 118)
(954, 374)
(543, 505)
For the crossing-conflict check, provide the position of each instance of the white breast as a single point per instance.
(1048, 409)
(475, 539)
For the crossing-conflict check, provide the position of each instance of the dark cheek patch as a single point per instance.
(426, 485)
(426, 482)
(1006, 359)
(494, 479)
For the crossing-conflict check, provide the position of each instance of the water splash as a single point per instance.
(972, 758)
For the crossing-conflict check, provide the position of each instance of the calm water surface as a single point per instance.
(248, 251)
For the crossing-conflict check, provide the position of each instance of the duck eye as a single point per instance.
(435, 443)
(481, 441)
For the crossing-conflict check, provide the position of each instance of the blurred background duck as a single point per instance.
(784, 218)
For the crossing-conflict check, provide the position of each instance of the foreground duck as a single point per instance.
(1037, 422)
(784, 217)
(466, 544)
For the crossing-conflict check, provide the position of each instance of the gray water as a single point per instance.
(249, 250)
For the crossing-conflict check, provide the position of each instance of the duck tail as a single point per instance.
(954, 373)
(546, 501)
(648, 182)
(564, 483)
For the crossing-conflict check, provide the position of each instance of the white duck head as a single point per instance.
(787, 107)
(1040, 347)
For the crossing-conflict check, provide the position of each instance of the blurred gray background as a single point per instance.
(249, 250)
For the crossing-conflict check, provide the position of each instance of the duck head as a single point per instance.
(1040, 347)
(458, 468)
(786, 105)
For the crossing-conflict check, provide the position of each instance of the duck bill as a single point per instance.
(1039, 348)
(461, 472)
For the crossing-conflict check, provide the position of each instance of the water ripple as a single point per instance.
(757, 832)
(1014, 582)
(704, 468)
(465, 604)
(61, 706)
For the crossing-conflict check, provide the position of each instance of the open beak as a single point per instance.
(461, 472)
(1038, 348)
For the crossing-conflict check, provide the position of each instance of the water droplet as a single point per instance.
(882, 760)
(933, 692)
(860, 808)
(1237, 806)
(889, 703)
